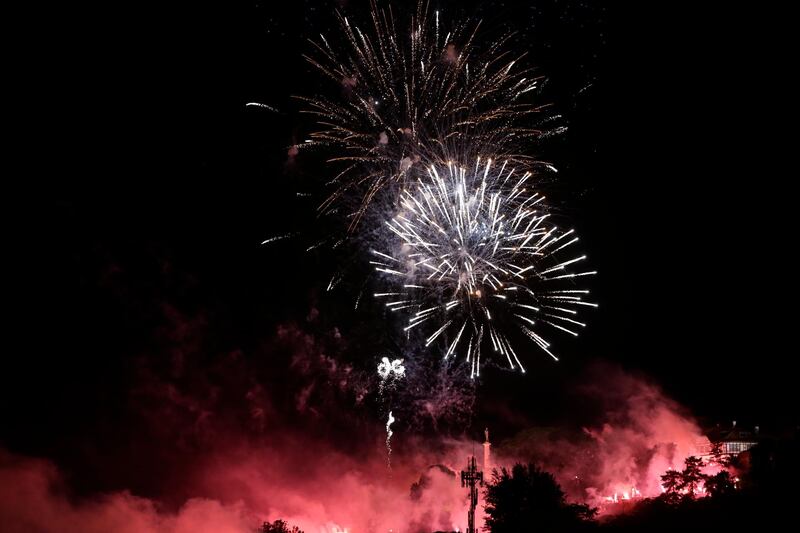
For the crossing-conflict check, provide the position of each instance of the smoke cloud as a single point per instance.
(220, 439)
(639, 435)
(221, 442)
(310, 486)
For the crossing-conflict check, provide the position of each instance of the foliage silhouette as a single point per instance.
(529, 499)
(278, 526)
(692, 475)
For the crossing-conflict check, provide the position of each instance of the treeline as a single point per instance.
(762, 494)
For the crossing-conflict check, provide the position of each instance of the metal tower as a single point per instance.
(487, 456)
(472, 478)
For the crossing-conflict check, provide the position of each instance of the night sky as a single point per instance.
(150, 187)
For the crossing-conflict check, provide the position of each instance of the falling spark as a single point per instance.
(262, 106)
(276, 238)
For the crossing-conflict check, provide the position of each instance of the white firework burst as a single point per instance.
(474, 260)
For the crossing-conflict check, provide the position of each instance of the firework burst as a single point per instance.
(411, 94)
(474, 260)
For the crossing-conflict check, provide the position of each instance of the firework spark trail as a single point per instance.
(389, 371)
(412, 94)
(389, 434)
(277, 238)
(261, 106)
(473, 253)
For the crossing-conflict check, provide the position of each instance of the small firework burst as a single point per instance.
(391, 369)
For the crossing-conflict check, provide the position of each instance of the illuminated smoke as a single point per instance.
(237, 491)
(640, 434)
(235, 477)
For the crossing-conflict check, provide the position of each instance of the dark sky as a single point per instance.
(151, 185)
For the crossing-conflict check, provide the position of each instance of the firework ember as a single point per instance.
(476, 261)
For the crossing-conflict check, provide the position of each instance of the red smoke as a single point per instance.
(321, 488)
(220, 444)
(308, 486)
(33, 499)
(640, 436)
(223, 445)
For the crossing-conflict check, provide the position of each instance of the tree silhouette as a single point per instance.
(672, 483)
(763, 500)
(684, 484)
(278, 526)
(528, 498)
(716, 449)
(692, 475)
(720, 484)
(717, 453)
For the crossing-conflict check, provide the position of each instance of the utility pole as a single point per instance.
(472, 478)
